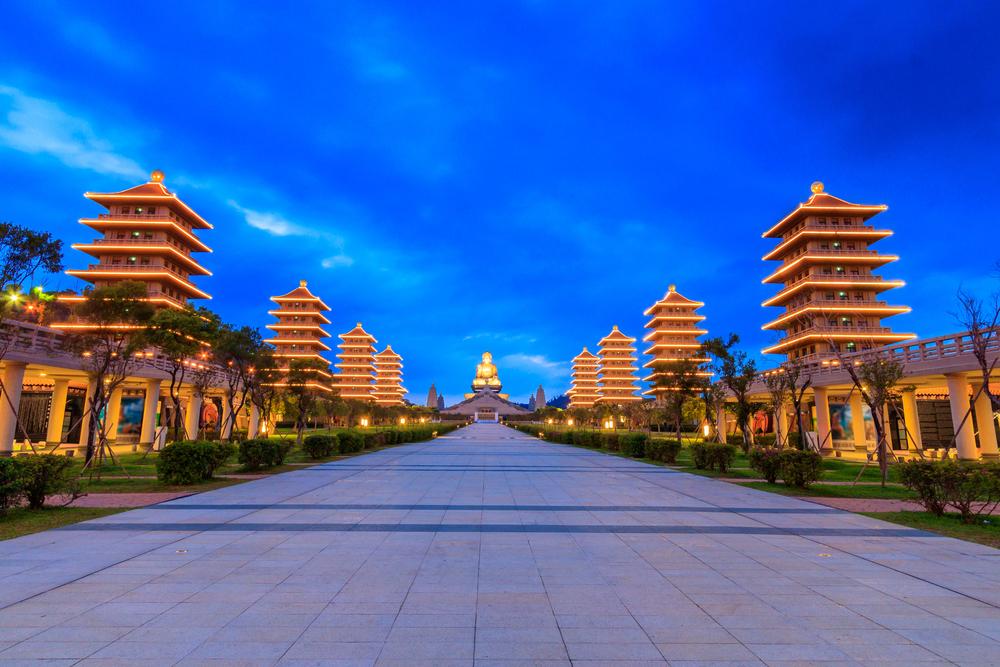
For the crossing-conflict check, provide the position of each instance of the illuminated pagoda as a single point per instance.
(148, 236)
(584, 391)
(356, 364)
(673, 337)
(298, 333)
(388, 389)
(618, 374)
(829, 292)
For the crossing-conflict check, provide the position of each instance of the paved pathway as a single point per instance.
(491, 547)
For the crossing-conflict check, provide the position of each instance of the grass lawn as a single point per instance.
(949, 525)
(22, 521)
(838, 491)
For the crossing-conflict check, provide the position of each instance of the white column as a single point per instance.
(253, 427)
(226, 423)
(958, 398)
(984, 419)
(720, 421)
(88, 402)
(858, 419)
(112, 412)
(912, 419)
(10, 401)
(192, 420)
(822, 399)
(149, 408)
(57, 410)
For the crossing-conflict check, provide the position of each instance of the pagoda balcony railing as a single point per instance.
(167, 297)
(862, 279)
(845, 303)
(133, 268)
(129, 217)
(832, 253)
(154, 242)
(854, 329)
(813, 225)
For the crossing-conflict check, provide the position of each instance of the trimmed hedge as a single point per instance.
(973, 489)
(799, 468)
(633, 444)
(712, 456)
(351, 442)
(263, 453)
(11, 482)
(321, 446)
(191, 461)
(767, 462)
(665, 451)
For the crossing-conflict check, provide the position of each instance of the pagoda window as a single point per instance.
(135, 235)
(836, 245)
(120, 235)
(138, 210)
(125, 210)
(145, 261)
(151, 210)
(839, 270)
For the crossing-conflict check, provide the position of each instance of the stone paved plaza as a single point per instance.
(490, 547)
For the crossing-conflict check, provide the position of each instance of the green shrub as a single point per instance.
(663, 450)
(191, 461)
(609, 441)
(320, 446)
(800, 469)
(766, 440)
(767, 462)
(712, 456)
(46, 475)
(633, 444)
(11, 482)
(351, 442)
(263, 453)
(973, 489)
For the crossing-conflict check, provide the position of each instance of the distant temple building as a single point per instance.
(148, 237)
(485, 403)
(432, 397)
(298, 333)
(829, 292)
(618, 373)
(584, 391)
(388, 389)
(540, 398)
(356, 365)
(673, 338)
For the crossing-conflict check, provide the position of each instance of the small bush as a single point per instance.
(609, 441)
(663, 450)
(11, 482)
(350, 442)
(712, 456)
(46, 475)
(191, 461)
(767, 462)
(800, 469)
(633, 444)
(973, 489)
(263, 453)
(320, 446)
(766, 440)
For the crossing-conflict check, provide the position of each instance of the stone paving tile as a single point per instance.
(489, 547)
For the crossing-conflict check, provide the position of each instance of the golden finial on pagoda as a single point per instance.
(817, 187)
(302, 283)
(672, 288)
(156, 176)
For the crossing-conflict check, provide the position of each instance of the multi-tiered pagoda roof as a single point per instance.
(673, 337)
(584, 390)
(388, 389)
(356, 364)
(298, 333)
(829, 292)
(618, 373)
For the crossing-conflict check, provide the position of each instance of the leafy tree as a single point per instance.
(737, 372)
(118, 315)
(262, 377)
(683, 381)
(182, 336)
(24, 252)
(981, 319)
(300, 393)
(875, 378)
(237, 353)
(777, 391)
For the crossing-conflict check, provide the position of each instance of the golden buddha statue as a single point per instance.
(486, 375)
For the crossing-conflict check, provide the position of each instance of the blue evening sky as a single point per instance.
(512, 176)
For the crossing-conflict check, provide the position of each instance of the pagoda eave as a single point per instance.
(103, 224)
(188, 288)
(782, 297)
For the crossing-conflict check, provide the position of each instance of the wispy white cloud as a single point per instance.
(500, 336)
(37, 126)
(274, 223)
(335, 261)
(538, 364)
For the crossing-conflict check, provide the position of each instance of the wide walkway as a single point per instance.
(491, 547)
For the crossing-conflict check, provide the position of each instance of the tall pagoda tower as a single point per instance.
(388, 389)
(148, 235)
(299, 332)
(829, 294)
(673, 337)
(618, 373)
(356, 364)
(584, 391)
